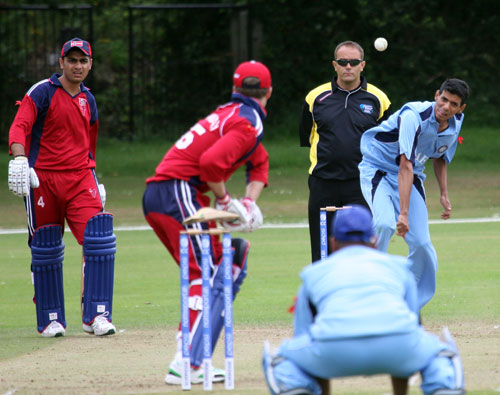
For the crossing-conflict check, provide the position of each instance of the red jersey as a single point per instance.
(216, 146)
(58, 131)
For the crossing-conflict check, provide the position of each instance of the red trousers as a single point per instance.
(64, 195)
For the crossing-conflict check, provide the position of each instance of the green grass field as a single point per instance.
(146, 298)
(474, 180)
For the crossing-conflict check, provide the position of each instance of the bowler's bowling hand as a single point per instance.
(445, 202)
(402, 226)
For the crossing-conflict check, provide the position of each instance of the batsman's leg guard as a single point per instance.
(241, 248)
(99, 247)
(444, 375)
(47, 254)
(285, 377)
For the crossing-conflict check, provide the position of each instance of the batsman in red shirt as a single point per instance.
(197, 165)
(53, 141)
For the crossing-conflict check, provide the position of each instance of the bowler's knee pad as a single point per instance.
(99, 248)
(240, 249)
(444, 375)
(284, 377)
(47, 255)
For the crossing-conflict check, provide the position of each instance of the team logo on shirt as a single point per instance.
(366, 108)
(442, 149)
(82, 103)
(93, 192)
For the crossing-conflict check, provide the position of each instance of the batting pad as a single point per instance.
(241, 248)
(99, 248)
(47, 255)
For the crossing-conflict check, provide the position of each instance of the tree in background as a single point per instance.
(428, 41)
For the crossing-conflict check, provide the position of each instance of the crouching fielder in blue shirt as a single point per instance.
(392, 174)
(357, 314)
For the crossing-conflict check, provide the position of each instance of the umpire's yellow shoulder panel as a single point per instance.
(313, 156)
(314, 138)
(382, 98)
(315, 92)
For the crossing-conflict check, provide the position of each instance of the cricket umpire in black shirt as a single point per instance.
(334, 117)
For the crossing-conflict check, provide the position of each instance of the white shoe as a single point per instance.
(174, 375)
(100, 327)
(54, 329)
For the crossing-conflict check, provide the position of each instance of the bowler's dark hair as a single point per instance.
(456, 87)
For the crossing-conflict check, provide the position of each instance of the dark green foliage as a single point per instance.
(183, 59)
(429, 41)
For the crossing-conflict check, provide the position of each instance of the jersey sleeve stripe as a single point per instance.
(35, 86)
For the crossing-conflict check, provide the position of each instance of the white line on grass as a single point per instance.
(279, 226)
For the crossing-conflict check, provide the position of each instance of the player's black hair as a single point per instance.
(456, 87)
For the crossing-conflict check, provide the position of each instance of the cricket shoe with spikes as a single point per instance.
(54, 329)
(101, 326)
(174, 375)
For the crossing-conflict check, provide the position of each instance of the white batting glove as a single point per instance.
(250, 216)
(256, 217)
(102, 193)
(22, 177)
(231, 205)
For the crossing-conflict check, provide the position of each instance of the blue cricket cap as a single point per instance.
(353, 224)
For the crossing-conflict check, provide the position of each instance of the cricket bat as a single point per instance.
(206, 214)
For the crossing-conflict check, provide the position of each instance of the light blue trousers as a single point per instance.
(399, 355)
(382, 195)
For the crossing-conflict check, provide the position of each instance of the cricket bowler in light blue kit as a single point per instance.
(357, 314)
(392, 174)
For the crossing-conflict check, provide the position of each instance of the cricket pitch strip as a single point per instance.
(135, 361)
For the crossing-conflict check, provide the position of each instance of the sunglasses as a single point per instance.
(352, 62)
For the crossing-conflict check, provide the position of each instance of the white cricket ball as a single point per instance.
(380, 44)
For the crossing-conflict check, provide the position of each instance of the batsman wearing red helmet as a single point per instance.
(197, 165)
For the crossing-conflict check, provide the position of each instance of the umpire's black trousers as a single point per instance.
(324, 193)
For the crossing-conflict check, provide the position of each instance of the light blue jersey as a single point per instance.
(356, 315)
(413, 131)
(354, 286)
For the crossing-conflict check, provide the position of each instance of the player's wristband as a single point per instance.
(248, 200)
(223, 200)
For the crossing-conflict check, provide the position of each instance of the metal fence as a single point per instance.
(31, 38)
(177, 74)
